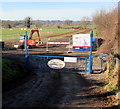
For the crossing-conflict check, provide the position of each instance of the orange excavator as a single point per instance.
(31, 42)
(31, 34)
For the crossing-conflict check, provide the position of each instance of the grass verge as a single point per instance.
(12, 72)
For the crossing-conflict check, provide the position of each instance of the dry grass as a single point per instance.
(107, 28)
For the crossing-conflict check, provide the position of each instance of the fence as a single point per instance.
(82, 64)
(58, 44)
(40, 62)
(99, 62)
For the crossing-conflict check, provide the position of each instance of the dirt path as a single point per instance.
(39, 90)
(29, 93)
(74, 91)
(73, 31)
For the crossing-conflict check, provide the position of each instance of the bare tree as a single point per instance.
(7, 24)
(105, 20)
(99, 19)
(68, 22)
(27, 21)
(38, 23)
(85, 21)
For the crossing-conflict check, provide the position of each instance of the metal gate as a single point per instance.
(40, 62)
(82, 64)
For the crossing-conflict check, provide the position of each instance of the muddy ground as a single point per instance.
(40, 90)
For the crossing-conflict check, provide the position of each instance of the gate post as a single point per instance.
(26, 50)
(90, 55)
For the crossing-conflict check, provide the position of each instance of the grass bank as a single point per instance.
(12, 73)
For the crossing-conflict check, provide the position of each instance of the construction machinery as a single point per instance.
(30, 42)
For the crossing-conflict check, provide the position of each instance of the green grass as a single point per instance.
(8, 35)
(59, 37)
(91, 26)
(13, 34)
(95, 34)
(11, 71)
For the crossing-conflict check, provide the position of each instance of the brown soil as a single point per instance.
(39, 90)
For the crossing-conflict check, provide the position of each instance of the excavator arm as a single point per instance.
(38, 35)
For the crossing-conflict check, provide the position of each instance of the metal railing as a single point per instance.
(40, 62)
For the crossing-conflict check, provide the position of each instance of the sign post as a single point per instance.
(72, 60)
(81, 42)
(47, 45)
(90, 55)
(26, 50)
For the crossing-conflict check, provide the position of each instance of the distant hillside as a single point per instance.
(9, 23)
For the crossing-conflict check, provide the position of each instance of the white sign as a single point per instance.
(70, 59)
(16, 46)
(81, 40)
(56, 64)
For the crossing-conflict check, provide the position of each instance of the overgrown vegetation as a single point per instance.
(85, 21)
(12, 71)
(107, 28)
(112, 77)
(106, 23)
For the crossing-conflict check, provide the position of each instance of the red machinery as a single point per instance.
(31, 34)
(31, 42)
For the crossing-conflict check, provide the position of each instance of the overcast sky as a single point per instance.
(51, 10)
